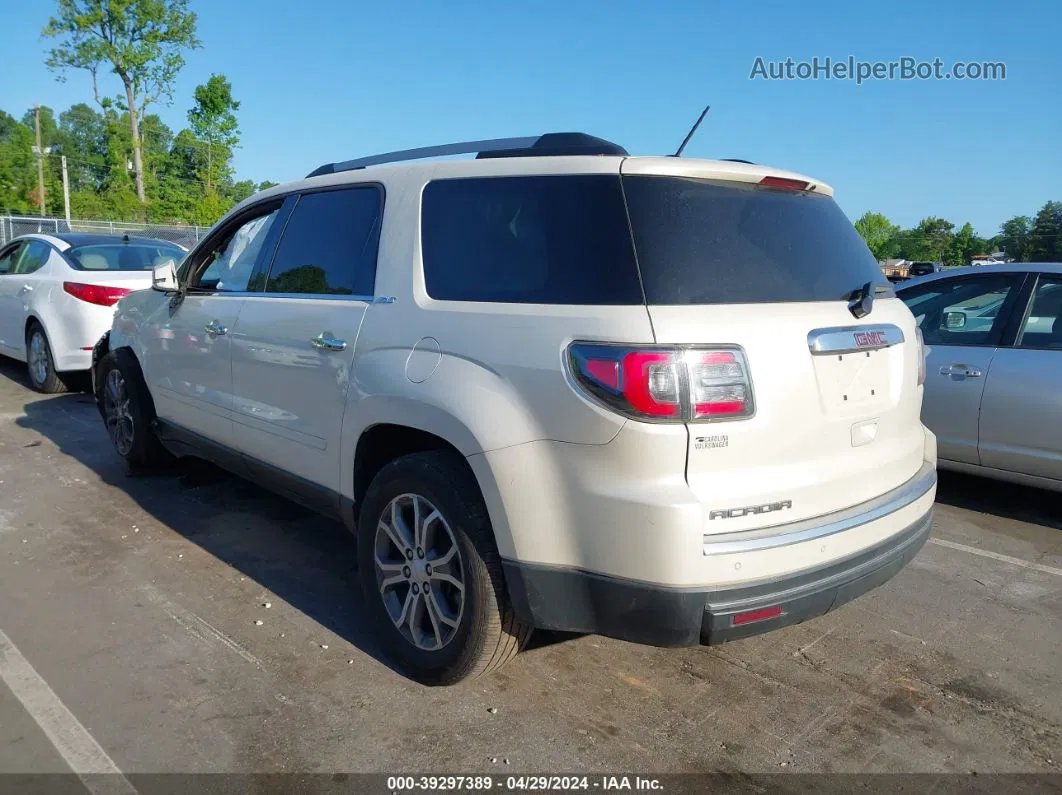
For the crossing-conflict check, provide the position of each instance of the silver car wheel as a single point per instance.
(39, 361)
(116, 412)
(418, 572)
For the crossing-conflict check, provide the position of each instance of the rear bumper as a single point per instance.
(577, 601)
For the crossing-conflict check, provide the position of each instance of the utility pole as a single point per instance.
(40, 156)
(66, 192)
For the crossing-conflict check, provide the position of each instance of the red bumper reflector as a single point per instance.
(756, 615)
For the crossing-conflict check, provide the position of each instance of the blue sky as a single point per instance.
(325, 80)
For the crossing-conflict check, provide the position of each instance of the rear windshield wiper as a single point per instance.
(861, 300)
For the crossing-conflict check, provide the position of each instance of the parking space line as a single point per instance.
(78, 748)
(984, 553)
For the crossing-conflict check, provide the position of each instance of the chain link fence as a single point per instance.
(11, 226)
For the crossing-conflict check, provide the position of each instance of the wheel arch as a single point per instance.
(383, 442)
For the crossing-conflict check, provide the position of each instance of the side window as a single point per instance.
(33, 257)
(10, 257)
(329, 245)
(1043, 325)
(961, 311)
(229, 266)
(529, 240)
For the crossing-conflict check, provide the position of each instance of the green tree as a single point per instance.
(141, 40)
(239, 191)
(912, 245)
(1014, 237)
(18, 173)
(209, 209)
(878, 233)
(213, 120)
(964, 245)
(83, 139)
(1045, 243)
(936, 232)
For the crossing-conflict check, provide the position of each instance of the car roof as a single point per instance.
(427, 170)
(90, 239)
(967, 270)
(66, 240)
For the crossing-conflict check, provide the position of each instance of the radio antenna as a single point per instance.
(693, 129)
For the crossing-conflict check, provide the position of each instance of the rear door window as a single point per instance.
(1042, 327)
(33, 257)
(962, 311)
(708, 242)
(329, 245)
(529, 240)
(9, 257)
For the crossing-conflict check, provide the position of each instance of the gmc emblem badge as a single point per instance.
(870, 339)
(750, 510)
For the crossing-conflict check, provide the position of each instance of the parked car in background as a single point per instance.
(57, 296)
(993, 392)
(916, 269)
(671, 401)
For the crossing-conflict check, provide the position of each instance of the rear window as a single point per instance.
(705, 242)
(122, 256)
(531, 240)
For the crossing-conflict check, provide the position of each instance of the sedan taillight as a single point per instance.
(95, 293)
(694, 384)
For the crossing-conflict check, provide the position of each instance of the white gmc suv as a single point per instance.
(670, 401)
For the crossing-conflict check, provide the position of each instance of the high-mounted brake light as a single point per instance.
(95, 293)
(782, 183)
(665, 384)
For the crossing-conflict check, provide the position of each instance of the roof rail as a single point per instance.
(531, 146)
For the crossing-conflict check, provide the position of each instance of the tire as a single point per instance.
(40, 364)
(128, 411)
(487, 633)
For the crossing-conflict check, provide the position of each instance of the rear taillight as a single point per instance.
(95, 293)
(665, 384)
(923, 352)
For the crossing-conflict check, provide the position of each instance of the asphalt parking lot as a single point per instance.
(129, 636)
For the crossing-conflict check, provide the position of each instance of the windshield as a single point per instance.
(131, 256)
(707, 242)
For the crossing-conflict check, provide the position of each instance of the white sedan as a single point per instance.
(57, 296)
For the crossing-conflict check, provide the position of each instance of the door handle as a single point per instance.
(26, 288)
(323, 343)
(961, 370)
(214, 329)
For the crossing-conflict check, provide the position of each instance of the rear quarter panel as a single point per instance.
(482, 376)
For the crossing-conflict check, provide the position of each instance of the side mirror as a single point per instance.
(953, 320)
(164, 277)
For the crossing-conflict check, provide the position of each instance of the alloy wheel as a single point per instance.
(116, 412)
(39, 361)
(418, 572)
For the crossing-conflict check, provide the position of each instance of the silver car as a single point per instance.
(993, 390)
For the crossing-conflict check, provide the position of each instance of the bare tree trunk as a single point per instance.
(138, 160)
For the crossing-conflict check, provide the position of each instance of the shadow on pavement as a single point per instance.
(302, 558)
(1006, 500)
(308, 561)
